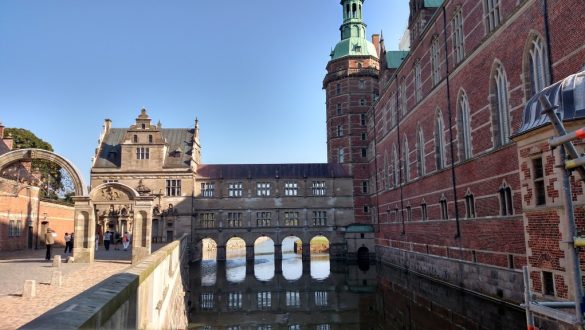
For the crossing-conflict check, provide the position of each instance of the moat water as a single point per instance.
(321, 294)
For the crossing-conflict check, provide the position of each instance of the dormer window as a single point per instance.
(135, 139)
(176, 153)
(143, 126)
(111, 155)
(150, 139)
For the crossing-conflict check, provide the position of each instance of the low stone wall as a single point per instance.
(149, 295)
(499, 283)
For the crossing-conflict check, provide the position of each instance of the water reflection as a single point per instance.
(350, 297)
(292, 266)
(320, 267)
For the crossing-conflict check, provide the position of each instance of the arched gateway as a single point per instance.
(118, 202)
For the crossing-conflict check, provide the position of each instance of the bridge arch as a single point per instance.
(31, 153)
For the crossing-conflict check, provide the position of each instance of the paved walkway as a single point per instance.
(16, 267)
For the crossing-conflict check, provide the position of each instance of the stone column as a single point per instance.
(142, 232)
(278, 258)
(84, 230)
(250, 252)
(306, 251)
(221, 253)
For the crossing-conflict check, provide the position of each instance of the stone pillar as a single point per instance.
(250, 252)
(142, 232)
(221, 253)
(84, 230)
(278, 258)
(306, 251)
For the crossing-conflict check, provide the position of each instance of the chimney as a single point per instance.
(8, 141)
(376, 42)
(1, 131)
(107, 124)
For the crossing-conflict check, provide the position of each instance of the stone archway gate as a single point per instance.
(84, 216)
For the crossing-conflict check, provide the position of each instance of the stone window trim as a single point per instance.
(263, 219)
(458, 36)
(492, 15)
(464, 127)
(173, 187)
(535, 65)
(142, 153)
(538, 178)
(291, 188)
(207, 189)
(439, 141)
(435, 60)
(505, 197)
(318, 188)
(235, 189)
(263, 189)
(206, 220)
(406, 161)
(319, 218)
(470, 205)
(444, 208)
(420, 152)
(418, 81)
(291, 218)
(500, 106)
(234, 219)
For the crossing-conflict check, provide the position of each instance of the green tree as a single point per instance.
(51, 173)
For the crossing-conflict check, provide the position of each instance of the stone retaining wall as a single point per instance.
(496, 282)
(149, 295)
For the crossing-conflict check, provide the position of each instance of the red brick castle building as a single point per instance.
(426, 134)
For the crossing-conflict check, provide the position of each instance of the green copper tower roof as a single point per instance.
(353, 33)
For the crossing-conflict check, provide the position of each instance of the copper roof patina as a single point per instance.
(568, 95)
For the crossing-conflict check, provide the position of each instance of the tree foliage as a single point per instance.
(55, 180)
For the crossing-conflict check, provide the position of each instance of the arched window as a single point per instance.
(435, 60)
(403, 97)
(386, 170)
(340, 155)
(536, 65)
(396, 167)
(500, 106)
(393, 110)
(406, 160)
(417, 81)
(420, 152)
(506, 200)
(439, 141)
(464, 127)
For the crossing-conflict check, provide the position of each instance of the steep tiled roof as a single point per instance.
(176, 138)
(259, 171)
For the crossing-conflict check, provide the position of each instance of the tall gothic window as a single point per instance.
(439, 142)
(537, 66)
(396, 166)
(506, 200)
(420, 152)
(464, 123)
(386, 170)
(500, 107)
(458, 36)
(417, 81)
(492, 13)
(393, 110)
(403, 97)
(340, 156)
(435, 60)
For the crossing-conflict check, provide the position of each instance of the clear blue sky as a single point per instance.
(251, 71)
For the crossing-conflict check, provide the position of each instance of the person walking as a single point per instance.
(67, 239)
(107, 238)
(125, 241)
(49, 241)
(97, 241)
(71, 243)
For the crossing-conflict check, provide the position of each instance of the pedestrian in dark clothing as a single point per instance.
(49, 241)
